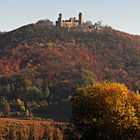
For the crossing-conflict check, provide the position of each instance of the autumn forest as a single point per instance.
(49, 73)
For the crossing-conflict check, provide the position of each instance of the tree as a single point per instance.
(87, 24)
(48, 133)
(98, 25)
(6, 108)
(58, 134)
(21, 104)
(32, 132)
(106, 111)
(85, 77)
(45, 22)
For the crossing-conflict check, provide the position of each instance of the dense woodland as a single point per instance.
(41, 65)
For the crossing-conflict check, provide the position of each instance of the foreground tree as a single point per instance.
(106, 111)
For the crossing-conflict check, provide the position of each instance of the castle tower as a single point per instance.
(60, 17)
(60, 20)
(80, 19)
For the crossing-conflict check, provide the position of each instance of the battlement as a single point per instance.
(72, 22)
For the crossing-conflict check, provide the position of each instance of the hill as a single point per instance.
(44, 63)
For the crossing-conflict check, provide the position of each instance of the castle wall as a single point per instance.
(72, 22)
(69, 24)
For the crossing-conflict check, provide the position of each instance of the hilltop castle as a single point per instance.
(72, 22)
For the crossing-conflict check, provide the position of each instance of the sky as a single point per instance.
(123, 15)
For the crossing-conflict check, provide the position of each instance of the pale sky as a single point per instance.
(120, 14)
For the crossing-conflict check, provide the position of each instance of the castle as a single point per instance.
(72, 22)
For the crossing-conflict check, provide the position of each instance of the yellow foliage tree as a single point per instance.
(21, 104)
(106, 111)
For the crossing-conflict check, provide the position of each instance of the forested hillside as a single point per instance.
(42, 64)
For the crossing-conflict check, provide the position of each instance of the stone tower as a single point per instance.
(80, 19)
(60, 19)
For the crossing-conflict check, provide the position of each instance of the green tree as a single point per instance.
(85, 77)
